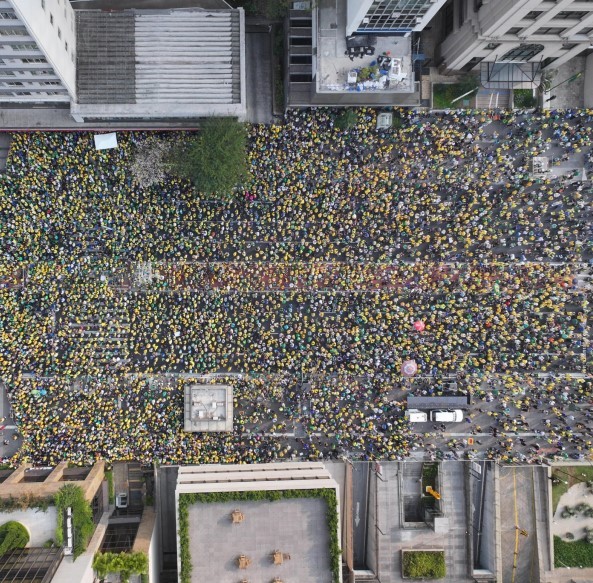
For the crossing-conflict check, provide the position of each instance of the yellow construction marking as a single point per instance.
(516, 525)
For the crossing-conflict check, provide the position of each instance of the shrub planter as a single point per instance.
(423, 564)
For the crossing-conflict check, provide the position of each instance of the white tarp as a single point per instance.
(105, 141)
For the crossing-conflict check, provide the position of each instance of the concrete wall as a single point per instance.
(355, 12)
(13, 486)
(589, 81)
(41, 525)
(146, 542)
(37, 20)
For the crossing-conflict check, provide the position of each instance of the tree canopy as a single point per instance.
(214, 160)
(13, 535)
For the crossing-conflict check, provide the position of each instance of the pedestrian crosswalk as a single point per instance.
(103, 334)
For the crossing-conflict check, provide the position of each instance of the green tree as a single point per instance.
(13, 535)
(214, 160)
(346, 119)
(126, 564)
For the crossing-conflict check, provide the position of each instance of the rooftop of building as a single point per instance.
(134, 63)
(254, 539)
(296, 528)
(340, 71)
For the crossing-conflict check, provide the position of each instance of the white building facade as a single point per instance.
(514, 31)
(390, 16)
(38, 51)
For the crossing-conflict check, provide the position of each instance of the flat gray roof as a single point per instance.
(160, 63)
(295, 527)
(445, 402)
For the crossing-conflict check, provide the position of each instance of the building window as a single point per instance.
(59, 33)
(25, 47)
(14, 84)
(30, 61)
(548, 61)
(550, 30)
(492, 46)
(587, 30)
(51, 18)
(13, 32)
(514, 30)
(7, 73)
(533, 14)
(478, 5)
(522, 53)
(564, 14)
(8, 16)
(43, 4)
(66, 45)
(568, 46)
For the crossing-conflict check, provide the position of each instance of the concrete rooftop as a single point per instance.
(296, 527)
(333, 65)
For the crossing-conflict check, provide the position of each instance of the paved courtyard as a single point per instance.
(297, 527)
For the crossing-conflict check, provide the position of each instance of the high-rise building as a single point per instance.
(481, 33)
(390, 16)
(38, 51)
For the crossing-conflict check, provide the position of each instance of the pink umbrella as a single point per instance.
(419, 325)
(409, 368)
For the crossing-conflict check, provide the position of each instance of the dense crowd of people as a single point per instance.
(318, 268)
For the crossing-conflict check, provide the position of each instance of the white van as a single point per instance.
(454, 416)
(416, 416)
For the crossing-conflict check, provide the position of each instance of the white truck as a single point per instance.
(440, 416)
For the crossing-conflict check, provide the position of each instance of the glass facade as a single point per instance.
(394, 15)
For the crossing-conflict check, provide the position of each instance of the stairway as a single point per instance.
(300, 55)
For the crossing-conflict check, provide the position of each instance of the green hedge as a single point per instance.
(111, 486)
(424, 564)
(13, 504)
(13, 535)
(187, 500)
(125, 564)
(72, 496)
(578, 553)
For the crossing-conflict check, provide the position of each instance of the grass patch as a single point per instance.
(523, 98)
(571, 474)
(578, 553)
(443, 93)
(424, 564)
(187, 500)
(111, 486)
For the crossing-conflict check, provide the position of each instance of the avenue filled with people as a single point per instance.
(342, 255)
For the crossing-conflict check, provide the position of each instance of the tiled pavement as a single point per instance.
(297, 527)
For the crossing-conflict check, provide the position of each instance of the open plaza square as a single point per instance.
(342, 255)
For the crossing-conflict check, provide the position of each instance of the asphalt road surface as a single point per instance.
(258, 71)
